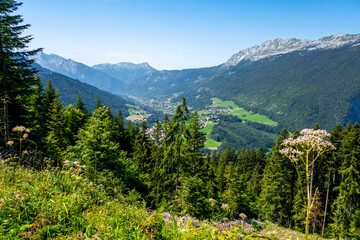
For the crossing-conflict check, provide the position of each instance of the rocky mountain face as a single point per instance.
(283, 46)
(80, 71)
(126, 72)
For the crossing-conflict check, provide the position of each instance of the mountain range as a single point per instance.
(295, 82)
(125, 72)
(69, 90)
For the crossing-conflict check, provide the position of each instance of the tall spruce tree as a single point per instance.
(195, 140)
(16, 72)
(347, 204)
(278, 186)
(56, 139)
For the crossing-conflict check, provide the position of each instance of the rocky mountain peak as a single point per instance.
(283, 46)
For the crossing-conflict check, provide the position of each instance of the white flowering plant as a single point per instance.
(299, 149)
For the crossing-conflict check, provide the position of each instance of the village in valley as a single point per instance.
(209, 116)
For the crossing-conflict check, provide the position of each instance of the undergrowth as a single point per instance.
(62, 204)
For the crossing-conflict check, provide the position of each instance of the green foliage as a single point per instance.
(241, 135)
(98, 151)
(16, 73)
(278, 186)
(54, 203)
(192, 198)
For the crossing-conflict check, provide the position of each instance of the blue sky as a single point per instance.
(176, 34)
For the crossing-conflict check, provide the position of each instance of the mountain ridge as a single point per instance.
(282, 46)
(69, 89)
(80, 71)
(125, 71)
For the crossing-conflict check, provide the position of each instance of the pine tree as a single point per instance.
(194, 144)
(56, 139)
(227, 156)
(278, 186)
(157, 153)
(74, 120)
(38, 115)
(80, 105)
(347, 203)
(16, 72)
(142, 152)
(98, 103)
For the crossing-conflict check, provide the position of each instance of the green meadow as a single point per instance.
(242, 114)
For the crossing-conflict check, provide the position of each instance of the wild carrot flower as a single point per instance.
(243, 216)
(225, 207)
(21, 129)
(212, 201)
(309, 142)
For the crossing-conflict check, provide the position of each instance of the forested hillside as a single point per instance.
(296, 88)
(70, 89)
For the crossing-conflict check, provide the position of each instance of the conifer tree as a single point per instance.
(226, 157)
(278, 186)
(347, 204)
(74, 120)
(194, 144)
(38, 113)
(142, 152)
(56, 139)
(98, 103)
(16, 72)
(120, 134)
(80, 105)
(157, 152)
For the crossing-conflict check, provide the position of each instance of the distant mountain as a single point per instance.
(69, 89)
(283, 46)
(80, 71)
(170, 82)
(297, 89)
(294, 82)
(126, 72)
(297, 83)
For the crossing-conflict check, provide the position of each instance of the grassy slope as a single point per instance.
(242, 114)
(57, 204)
(210, 143)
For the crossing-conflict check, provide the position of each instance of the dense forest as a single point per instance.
(167, 169)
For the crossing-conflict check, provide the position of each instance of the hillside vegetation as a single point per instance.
(58, 203)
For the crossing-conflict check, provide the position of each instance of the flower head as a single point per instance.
(21, 129)
(309, 140)
(225, 207)
(212, 201)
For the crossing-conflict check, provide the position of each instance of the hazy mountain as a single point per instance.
(80, 71)
(126, 72)
(69, 89)
(170, 82)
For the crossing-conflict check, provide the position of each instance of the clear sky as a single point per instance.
(177, 34)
